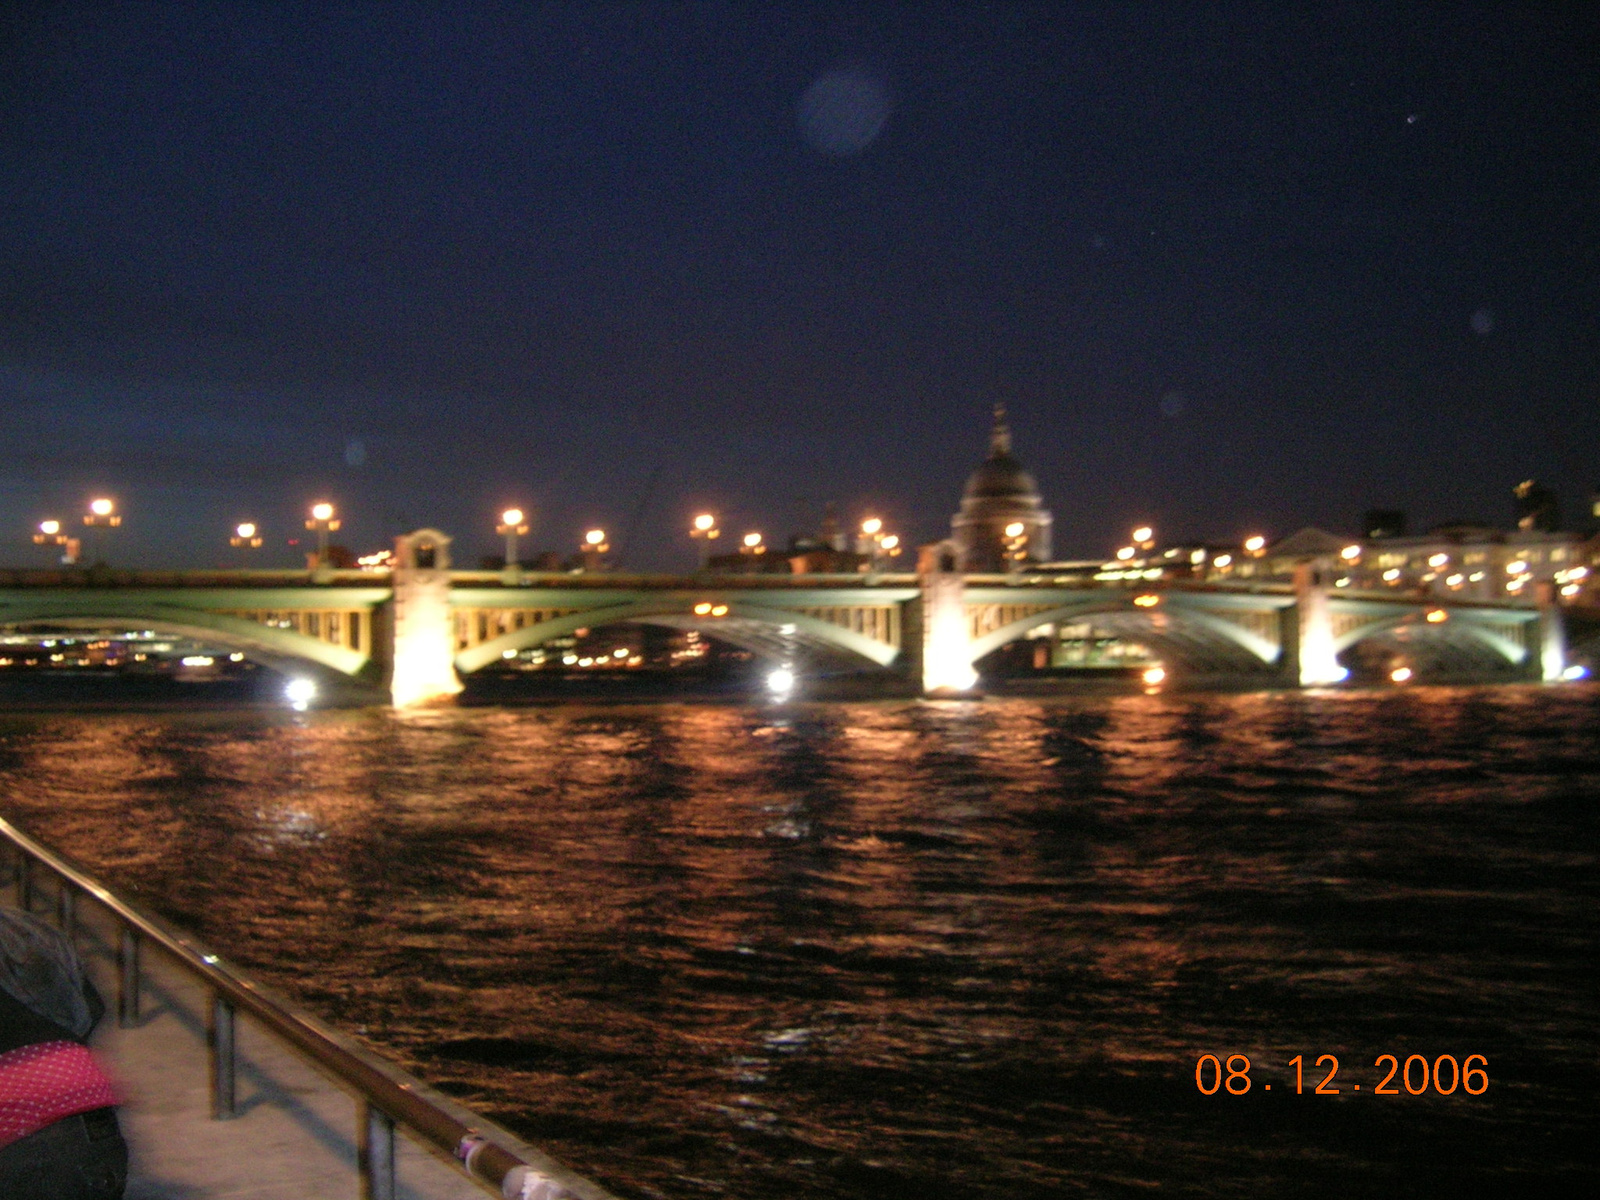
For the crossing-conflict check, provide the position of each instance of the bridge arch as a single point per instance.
(1196, 637)
(280, 649)
(1440, 636)
(681, 614)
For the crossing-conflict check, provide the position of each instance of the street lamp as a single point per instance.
(50, 535)
(1016, 544)
(705, 526)
(246, 535)
(752, 544)
(102, 514)
(594, 545)
(875, 543)
(512, 522)
(323, 522)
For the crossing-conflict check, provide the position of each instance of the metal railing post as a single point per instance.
(375, 1154)
(222, 1073)
(128, 977)
(66, 908)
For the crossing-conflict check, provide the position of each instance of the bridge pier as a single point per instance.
(946, 632)
(422, 649)
(1314, 647)
(1552, 634)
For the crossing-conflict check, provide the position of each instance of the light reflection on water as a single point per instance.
(885, 949)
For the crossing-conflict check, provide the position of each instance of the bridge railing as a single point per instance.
(388, 1096)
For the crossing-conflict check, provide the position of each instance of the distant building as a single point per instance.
(1469, 562)
(1000, 494)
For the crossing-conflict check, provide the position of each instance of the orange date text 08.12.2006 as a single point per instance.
(1445, 1075)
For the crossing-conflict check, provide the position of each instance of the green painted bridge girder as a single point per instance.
(1501, 629)
(281, 649)
(720, 593)
(680, 606)
(1180, 603)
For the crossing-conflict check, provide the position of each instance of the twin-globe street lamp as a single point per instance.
(875, 543)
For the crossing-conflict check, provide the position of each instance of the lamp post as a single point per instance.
(246, 536)
(1016, 545)
(323, 522)
(705, 526)
(102, 514)
(594, 545)
(50, 535)
(876, 544)
(512, 523)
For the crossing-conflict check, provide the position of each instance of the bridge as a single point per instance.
(417, 628)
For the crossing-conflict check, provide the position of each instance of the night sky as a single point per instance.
(1230, 269)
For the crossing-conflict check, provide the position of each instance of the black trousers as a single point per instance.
(77, 1158)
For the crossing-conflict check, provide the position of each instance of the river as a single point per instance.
(902, 948)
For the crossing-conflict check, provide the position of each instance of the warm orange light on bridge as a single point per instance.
(1147, 601)
(1255, 544)
(703, 609)
(1435, 616)
(871, 526)
(1350, 553)
(719, 610)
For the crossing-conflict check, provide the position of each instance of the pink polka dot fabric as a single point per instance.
(42, 1083)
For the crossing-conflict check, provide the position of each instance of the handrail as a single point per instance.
(490, 1154)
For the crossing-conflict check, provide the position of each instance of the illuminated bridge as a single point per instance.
(418, 628)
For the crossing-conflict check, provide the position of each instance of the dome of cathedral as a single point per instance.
(1000, 477)
(1000, 494)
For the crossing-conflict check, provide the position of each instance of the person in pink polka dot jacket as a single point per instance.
(59, 1138)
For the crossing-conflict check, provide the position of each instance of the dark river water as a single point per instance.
(907, 949)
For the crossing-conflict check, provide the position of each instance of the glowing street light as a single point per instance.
(1016, 545)
(1350, 553)
(594, 545)
(1144, 537)
(246, 535)
(876, 544)
(752, 544)
(1255, 544)
(512, 523)
(323, 522)
(705, 528)
(50, 534)
(102, 514)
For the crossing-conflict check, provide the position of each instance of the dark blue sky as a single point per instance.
(1230, 268)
